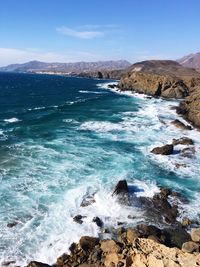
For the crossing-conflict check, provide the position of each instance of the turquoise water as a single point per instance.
(62, 139)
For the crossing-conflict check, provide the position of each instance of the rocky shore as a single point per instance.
(145, 245)
(167, 240)
(168, 79)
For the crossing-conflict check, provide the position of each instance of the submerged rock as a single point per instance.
(37, 264)
(188, 152)
(181, 125)
(7, 263)
(78, 218)
(88, 200)
(183, 141)
(163, 150)
(12, 224)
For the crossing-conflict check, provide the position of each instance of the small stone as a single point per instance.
(195, 234)
(190, 247)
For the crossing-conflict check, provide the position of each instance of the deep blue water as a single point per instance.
(63, 138)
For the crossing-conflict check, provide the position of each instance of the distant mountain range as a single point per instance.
(37, 66)
(191, 61)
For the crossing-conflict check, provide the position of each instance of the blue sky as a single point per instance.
(90, 30)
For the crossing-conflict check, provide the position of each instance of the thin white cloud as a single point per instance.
(12, 55)
(79, 34)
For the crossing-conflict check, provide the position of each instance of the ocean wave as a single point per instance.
(90, 92)
(11, 120)
(36, 108)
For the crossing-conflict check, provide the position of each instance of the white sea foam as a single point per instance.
(90, 92)
(36, 108)
(11, 120)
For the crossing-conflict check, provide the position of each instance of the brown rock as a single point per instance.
(109, 246)
(183, 141)
(131, 235)
(181, 125)
(190, 108)
(190, 247)
(37, 264)
(88, 243)
(163, 150)
(188, 152)
(180, 165)
(195, 234)
(111, 260)
(158, 78)
(186, 222)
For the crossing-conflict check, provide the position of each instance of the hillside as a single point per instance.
(191, 61)
(160, 78)
(77, 67)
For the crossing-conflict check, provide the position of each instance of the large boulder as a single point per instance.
(121, 188)
(88, 243)
(190, 247)
(195, 234)
(163, 150)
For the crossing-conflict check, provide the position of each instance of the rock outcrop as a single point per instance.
(163, 150)
(190, 107)
(134, 251)
(164, 78)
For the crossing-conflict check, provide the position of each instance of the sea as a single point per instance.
(64, 140)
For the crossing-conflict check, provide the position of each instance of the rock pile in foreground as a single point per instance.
(129, 250)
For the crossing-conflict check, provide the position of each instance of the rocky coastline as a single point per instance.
(166, 241)
(145, 245)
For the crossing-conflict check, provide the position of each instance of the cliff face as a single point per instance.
(190, 107)
(164, 78)
(104, 74)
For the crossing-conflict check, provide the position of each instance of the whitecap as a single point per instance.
(36, 108)
(11, 120)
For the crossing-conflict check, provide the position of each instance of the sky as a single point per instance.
(92, 30)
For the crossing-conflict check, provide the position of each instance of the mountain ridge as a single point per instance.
(81, 66)
(191, 61)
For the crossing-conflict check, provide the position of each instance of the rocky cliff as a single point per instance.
(164, 78)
